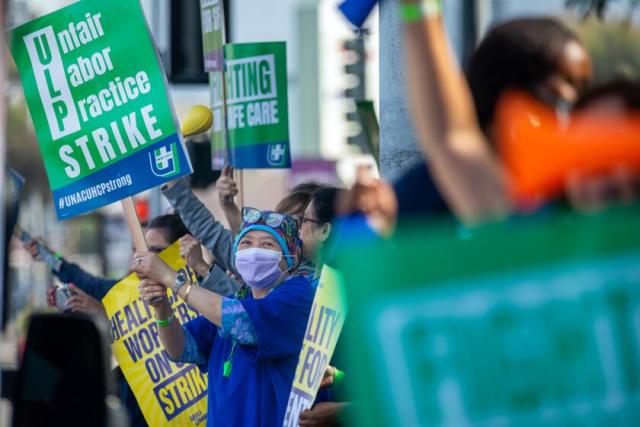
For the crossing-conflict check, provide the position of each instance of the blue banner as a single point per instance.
(145, 169)
(263, 156)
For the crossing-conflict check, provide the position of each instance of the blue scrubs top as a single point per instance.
(257, 391)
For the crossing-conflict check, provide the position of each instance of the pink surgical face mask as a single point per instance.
(259, 268)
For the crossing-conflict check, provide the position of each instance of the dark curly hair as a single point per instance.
(518, 54)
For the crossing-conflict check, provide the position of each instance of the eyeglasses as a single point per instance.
(307, 219)
(272, 219)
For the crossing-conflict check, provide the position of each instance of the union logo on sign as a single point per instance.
(276, 155)
(164, 161)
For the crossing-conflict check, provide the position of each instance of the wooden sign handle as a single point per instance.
(239, 178)
(130, 214)
(129, 209)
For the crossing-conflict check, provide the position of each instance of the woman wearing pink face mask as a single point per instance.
(248, 345)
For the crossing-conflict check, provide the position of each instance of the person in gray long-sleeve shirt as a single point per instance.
(219, 240)
(209, 231)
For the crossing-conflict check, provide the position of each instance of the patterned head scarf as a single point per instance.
(282, 227)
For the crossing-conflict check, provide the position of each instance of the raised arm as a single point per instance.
(467, 172)
(150, 266)
(201, 222)
(215, 279)
(68, 272)
(172, 335)
(227, 314)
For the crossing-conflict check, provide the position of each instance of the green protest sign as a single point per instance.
(218, 129)
(213, 34)
(257, 122)
(527, 324)
(213, 41)
(99, 104)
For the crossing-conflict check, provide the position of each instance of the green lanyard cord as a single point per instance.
(226, 368)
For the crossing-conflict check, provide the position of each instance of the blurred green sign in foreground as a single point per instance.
(532, 323)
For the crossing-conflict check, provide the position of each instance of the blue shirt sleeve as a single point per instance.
(203, 333)
(95, 286)
(280, 318)
(417, 193)
(236, 323)
(191, 353)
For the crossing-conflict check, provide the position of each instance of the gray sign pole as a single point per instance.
(3, 143)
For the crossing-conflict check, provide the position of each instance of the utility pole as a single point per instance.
(399, 149)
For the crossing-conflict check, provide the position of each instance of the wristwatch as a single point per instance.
(181, 280)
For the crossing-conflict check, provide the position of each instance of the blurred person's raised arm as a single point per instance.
(67, 272)
(467, 172)
(96, 287)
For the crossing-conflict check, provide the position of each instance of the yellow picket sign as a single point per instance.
(324, 326)
(169, 394)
